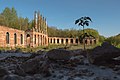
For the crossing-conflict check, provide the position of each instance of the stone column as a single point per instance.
(55, 40)
(64, 41)
(41, 40)
(69, 41)
(74, 41)
(60, 41)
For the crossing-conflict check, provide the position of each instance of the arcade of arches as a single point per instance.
(35, 37)
(10, 37)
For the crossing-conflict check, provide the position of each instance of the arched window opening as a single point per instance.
(51, 41)
(76, 41)
(58, 41)
(54, 40)
(62, 41)
(15, 38)
(21, 39)
(43, 40)
(28, 40)
(90, 41)
(38, 40)
(35, 39)
(7, 38)
(71, 41)
(66, 40)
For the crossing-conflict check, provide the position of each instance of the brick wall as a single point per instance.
(12, 32)
(40, 40)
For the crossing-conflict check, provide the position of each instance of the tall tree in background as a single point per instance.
(10, 17)
(2, 20)
(82, 22)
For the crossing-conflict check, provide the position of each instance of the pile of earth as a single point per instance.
(61, 64)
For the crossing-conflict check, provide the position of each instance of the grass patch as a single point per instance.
(47, 48)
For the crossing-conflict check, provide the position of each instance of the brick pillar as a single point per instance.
(64, 41)
(59, 41)
(55, 40)
(74, 41)
(69, 41)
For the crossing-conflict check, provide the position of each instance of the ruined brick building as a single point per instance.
(35, 37)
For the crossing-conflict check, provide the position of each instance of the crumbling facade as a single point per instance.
(35, 37)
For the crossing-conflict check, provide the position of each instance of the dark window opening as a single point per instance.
(15, 38)
(71, 41)
(51, 41)
(57, 40)
(7, 38)
(62, 41)
(54, 40)
(76, 41)
(66, 40)
(90, 41)
(35, 39)
(21, 39)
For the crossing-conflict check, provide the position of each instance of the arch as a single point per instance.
(50, 40)
(90, 41)
(76, 41)
(54, 41)
(35, 39)
(71, 41)
(28, 40)
(21, 39)
(43, 40)
(58, 41)
(28, 35)
(38, 40)
(15, 38)
(7, 38)
(62, 41)
(66, 40)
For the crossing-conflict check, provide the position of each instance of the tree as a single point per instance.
(82, 22)
(114, 40)
(2, 20)
(10, 17)
(101, 38)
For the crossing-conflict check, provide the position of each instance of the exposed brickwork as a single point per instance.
(11, 31)
(71, 41)
(35, 37)
(41, 39)
(32, 38)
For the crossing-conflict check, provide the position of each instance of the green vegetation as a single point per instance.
(10, 19)
(114, 40)
(54, 32)
(82, 22)
(72, 33)
(101, 39)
